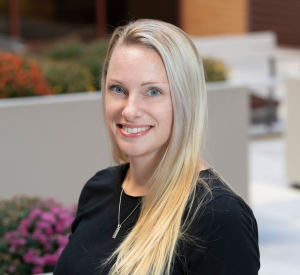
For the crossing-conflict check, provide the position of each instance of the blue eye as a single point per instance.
(154, 92)
(117, 89)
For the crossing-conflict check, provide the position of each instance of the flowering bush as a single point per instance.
(14, 210)
(19, 78)
(35, 246)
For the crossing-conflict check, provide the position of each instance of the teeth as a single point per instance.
(135, 130)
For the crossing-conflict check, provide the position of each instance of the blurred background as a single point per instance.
(52, 137)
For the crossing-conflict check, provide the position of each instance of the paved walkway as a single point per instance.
(276, 206)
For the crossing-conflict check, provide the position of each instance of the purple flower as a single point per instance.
(28, 256)
(51, 259)
(37, 270)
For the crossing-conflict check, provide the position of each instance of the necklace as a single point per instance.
(120, 224)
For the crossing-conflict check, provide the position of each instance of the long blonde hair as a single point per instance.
(151, 245)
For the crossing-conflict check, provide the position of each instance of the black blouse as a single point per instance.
(226, 228)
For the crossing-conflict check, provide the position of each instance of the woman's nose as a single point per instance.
(132, 110)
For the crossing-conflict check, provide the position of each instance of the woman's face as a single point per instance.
(138, 101)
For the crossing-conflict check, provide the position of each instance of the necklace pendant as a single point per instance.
(116, 231)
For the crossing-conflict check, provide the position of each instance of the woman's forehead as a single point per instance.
(137, 62)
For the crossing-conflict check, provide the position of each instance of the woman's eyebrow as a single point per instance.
(114, 80)
(151, 83)
(143, 84)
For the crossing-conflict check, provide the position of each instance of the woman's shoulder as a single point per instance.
(224, 229)
(219, 200)
(102, 183)
(105, 177)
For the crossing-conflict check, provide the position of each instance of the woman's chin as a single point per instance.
(136, 151)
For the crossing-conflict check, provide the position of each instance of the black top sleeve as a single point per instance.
(227, 239)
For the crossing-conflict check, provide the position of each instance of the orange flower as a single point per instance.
(19, 77)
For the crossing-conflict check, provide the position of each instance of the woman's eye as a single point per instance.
(117, 89)
(154, 92)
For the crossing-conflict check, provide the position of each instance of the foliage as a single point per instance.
(14, 210)
(19, 78)
(68, 68)
(36, 244)
(74, 67)
(215, 70)
(98, 47)
(65, 51)
(68, 77)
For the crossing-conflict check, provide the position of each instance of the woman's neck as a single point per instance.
(141, 170)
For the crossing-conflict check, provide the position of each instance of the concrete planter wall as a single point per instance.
(50, 146)
(292, 135)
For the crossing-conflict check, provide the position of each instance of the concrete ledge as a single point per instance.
(50, 146)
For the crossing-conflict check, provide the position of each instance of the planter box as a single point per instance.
(50, 146)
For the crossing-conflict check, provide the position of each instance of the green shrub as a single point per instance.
(215, 70)
(94, 66)
(98, 48)
(68, 77)
(66, 51)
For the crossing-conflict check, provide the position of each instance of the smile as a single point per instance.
(134, 132)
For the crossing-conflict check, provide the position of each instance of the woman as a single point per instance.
(162, 210)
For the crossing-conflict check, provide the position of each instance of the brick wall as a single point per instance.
(210, 17)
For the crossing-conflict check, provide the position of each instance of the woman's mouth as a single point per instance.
(134, 131)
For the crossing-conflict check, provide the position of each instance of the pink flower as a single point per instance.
(35, 213)
(25, 223)
(48, 246)
(8, 235)
(23, 231)
(62, 241)
(49, 231)
(60, 227)
(11, 269)
(51, 259)
(18, 242)
(37, 270)
(42, 224)
(36, 260)
(68, 222)
(28, 256)
(56, 210)
(12, 249)
(39, 236)
(59, 251)
(48, 217)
